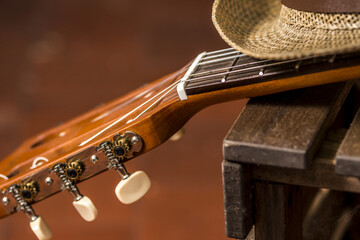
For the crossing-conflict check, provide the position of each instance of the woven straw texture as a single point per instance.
(268, 30)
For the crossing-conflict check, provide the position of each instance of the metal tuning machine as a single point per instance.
(134, 186)
(24, 194)
(69, 174)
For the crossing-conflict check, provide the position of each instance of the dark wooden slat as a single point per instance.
(285, 129)
(237, 199)
(278, 214)
(348, 156)
(321, 174)
(324, 215)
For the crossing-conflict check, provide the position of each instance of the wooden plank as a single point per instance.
(348, 156)
(278, 214)
(237, 199)
(324, 214)
(320, 174)
(285, 130)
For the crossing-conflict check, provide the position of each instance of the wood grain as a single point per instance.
(285, 129)
(61, 59)
(321, 174)
(237, 199)
(155, 113)
(348, 155)
(278, 211)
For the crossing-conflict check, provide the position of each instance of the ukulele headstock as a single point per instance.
(102, 139)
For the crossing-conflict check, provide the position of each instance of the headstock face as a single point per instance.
(126, 123)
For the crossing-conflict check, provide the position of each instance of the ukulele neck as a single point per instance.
(229, 68)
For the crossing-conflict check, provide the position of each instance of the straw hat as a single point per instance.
(291, 29)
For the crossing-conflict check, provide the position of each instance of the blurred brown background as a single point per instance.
(59, 59)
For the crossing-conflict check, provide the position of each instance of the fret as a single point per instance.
(207, 68)
(226, 72)
(247, 65)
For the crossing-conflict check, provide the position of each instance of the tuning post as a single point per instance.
(134, 186)
(94, 159)
(24, 194)
(69, 174)
(5, 200)
(49, 181)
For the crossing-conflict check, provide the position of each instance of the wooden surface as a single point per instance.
(279, 193)
(285, 129)
(320, 174)
(348, 156)
(61, 59)
(237, 200)
(278, 211)
(326, 211)
(155, 113)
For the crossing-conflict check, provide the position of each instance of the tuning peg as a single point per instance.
(178, 135)
(134, 186)
(86, 208)
(69, 174)
(24, 194)
(41, 229)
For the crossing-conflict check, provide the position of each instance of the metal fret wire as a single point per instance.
(244, 69)
(223, 79)
(228, 68)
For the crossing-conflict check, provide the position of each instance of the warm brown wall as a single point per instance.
(60, 58)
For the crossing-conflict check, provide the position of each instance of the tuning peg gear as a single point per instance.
(24, 194)
(69, 174)
(121, 147)
(134, 186)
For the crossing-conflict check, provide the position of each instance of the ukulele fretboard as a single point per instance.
(229, 68)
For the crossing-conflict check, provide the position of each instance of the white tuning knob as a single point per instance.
(41, 229)
(86, 208)
(132, 188)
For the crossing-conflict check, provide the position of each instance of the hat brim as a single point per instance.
(256, 28)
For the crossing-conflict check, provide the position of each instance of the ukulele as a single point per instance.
(109, 136)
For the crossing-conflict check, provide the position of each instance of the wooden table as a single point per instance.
(291, 168)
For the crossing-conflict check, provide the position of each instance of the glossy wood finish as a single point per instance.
(68, 138)
(99, 49)
(281, 140)
(154, 112)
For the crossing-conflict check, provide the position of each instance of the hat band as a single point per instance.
(324, 6)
